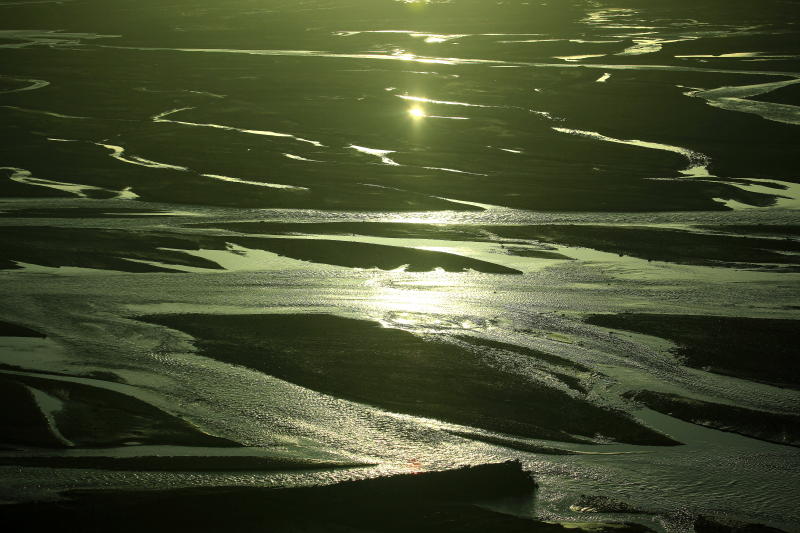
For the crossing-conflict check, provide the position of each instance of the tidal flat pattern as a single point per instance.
(433, 265)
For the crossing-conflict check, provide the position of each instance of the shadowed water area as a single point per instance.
(433, 265)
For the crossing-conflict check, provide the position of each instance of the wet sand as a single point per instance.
(136, 252)
(772, 427)
(15, 330)
(364, 362)
(748, 348)
(697, 247)
(433, 501)
(79, 415)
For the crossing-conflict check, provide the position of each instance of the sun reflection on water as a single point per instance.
(408, 296)
(412, 300)
(417, 112)
(421, 301)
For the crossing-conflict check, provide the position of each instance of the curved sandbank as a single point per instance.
(759, 349)
(362, 361)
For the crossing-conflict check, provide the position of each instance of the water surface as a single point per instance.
(290, 239)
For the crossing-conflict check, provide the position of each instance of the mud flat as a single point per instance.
(14, 330)
(706, 524)
(603, 130)
(194, 460)
(451, 232)
(675, 246)
(712, 246)
(425, 501)
(760, 349)
(166, 252)
(55, 412)
(361, 361)
(81, 212)
(763, 425)
(366, 255)
(25, 424)
(771, 230)
(98, 249)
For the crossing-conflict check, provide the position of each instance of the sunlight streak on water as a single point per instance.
(698, 163)
(443, 102)
(20, 175)
(381, 154)
(256, 183)
(161, 117)
(428, 296)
